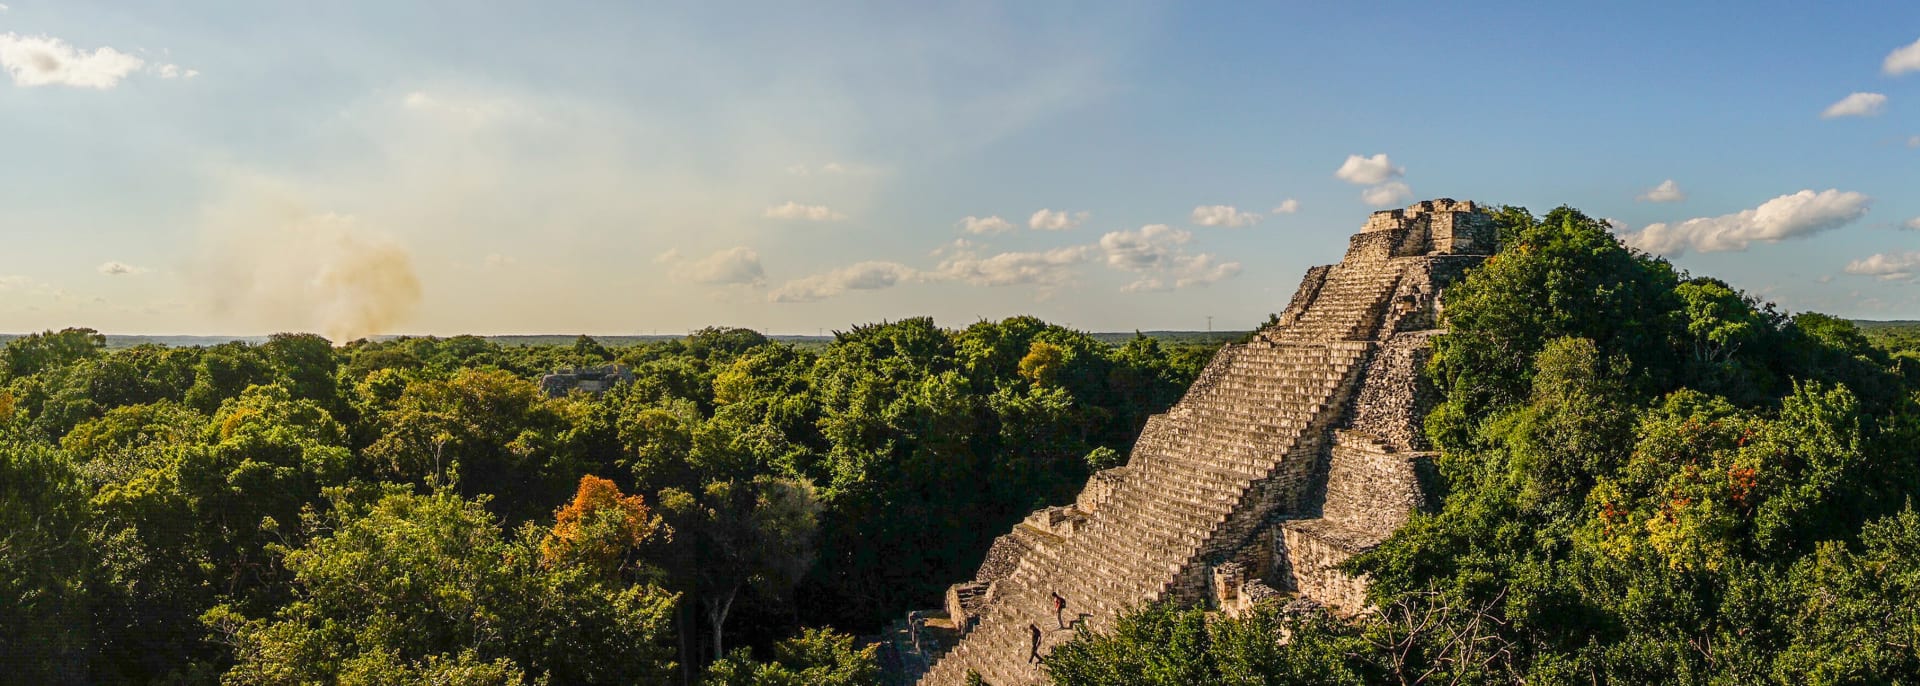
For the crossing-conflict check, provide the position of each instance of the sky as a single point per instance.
(356, 168)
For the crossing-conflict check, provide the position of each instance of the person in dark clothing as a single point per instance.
(1033, 654)
(1059, 610)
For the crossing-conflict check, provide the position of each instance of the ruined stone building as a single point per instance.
(1289, 454)
(590, 379)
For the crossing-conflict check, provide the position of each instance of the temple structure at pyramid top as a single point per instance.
(1289, 454)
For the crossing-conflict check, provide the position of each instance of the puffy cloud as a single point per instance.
(1789, 216)
(733, 266)
(1913, 223)
(1047, 268)
(1224, 215)
(45, 60)
(865, 276)
(118, 268)
(1368, 171)
(1378, 173)
(174, 71)
(1389, 193)
(1050, 220)
(1891, 267)
(1902, 60)
(985, 225)
(14, 282)
(1288, 206)
(1158, 252)
(1856, 105)
(1667, 191)
(812, 213)
(1150, 247)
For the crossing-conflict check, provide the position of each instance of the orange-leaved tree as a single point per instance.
(601, 528)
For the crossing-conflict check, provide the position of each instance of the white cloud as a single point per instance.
(12, 283)
(865, 276)
(45, 60)
(1150, 247)
(1368, 171)
(118, 268)
(1856, 105)
(1667, 191)
(733, 266)
(1288, 206)
(1158, 252)
(1224, 215)
(1789, 216)
(4, 8)
(1890, 267)
(985, 225)
(174, 71)
(497, 260)
(1902, 60)
(1050, 220)
(1047, 268)
(1913, 224)
(669, 256)
(812, 213)
(1389, 193)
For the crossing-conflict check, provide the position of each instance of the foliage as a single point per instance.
(46, 566)
(601, 529)
(816, 657)
(1640, 470)
(1644, 478)
(1165, 646)
(420, 585)
(206, 509)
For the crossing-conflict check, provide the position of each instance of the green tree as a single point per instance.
(35, 353)
(499, 430)
(224, 371)
(1161, 645)
(418, 588)
(306, 364)
(816, 657)
(740, 535)
(47, 567)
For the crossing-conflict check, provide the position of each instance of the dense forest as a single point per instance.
(418, 511)
(1647, 477)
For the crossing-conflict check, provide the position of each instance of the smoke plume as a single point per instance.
(277, 266)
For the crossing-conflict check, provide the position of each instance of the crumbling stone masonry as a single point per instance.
(595, 380)
(1290, 453)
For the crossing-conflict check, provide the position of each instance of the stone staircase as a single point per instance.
(1259, 448)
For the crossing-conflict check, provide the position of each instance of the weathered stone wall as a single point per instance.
(1396, 395)
(1371, 487)
(1315, 549)
(1288, 455)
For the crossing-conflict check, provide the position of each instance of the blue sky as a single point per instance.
(439, 167)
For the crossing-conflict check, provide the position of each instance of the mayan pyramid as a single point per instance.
(1289, 454)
